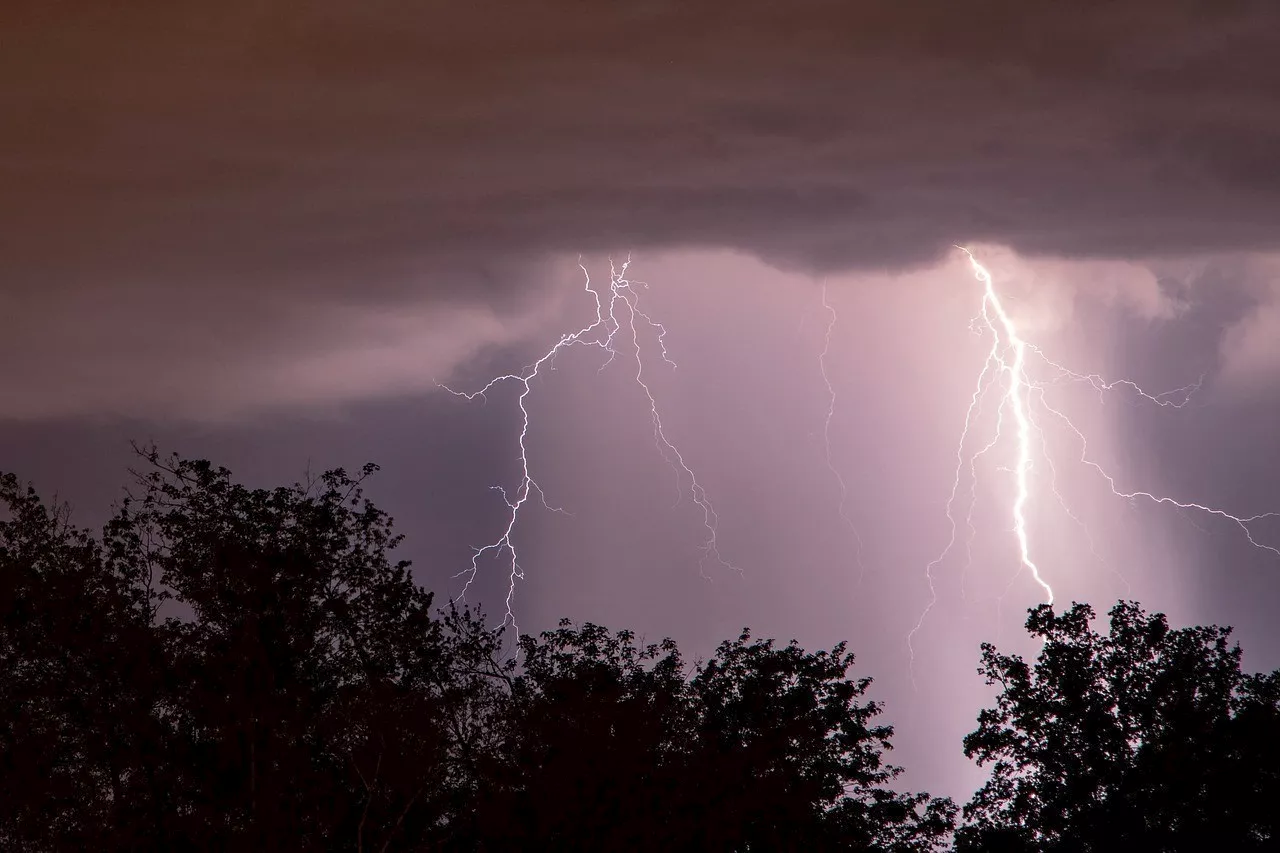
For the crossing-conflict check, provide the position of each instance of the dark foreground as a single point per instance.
(231, 669)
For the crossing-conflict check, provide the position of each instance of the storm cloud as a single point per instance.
(239, 189)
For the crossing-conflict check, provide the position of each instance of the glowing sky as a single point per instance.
(265, 235)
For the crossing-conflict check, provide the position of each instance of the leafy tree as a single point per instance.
(1146, 738)
(76, 727)
(228, 668)
(616, 746)
(789, 756)
(299, 693)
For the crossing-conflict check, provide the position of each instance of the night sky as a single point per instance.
(265, 233)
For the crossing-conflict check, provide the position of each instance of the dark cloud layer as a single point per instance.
(344, 145)
(233, 182)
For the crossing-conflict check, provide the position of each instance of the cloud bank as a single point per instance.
(228, 171)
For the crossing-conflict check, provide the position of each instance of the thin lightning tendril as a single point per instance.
(1007, 363)
(617, 314)
(1242, 522)
(1070, 513)
(973, 484)
(975, 406)
(832, 319)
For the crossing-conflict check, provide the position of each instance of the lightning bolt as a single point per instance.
(618, 318)
(832, 319)
(1007, 365)
(1016, 399)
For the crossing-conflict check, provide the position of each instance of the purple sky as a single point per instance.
(263, 236)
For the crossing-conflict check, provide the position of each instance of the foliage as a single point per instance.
(1144, 738)
(235, 668)
(75, 713)
(760, 748)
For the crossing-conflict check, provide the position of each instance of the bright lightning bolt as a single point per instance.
(617, 317)
(1007, 365)
(832, 319)
(1016, 399)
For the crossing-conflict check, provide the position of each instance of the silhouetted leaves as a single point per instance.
(250, 669)
(1146, 738)
(77, 733)
(620, 746)
(234, 668)
(228, 669)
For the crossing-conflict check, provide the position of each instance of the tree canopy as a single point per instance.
(234, 668)
(619, 746)
(1143, 738)
(301, 691)
(226, 668)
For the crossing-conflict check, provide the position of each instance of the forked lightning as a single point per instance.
(618, 317)
(1007, 366)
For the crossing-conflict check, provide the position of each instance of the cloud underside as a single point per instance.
(226, 165)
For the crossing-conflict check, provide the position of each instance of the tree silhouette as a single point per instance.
(303, 696)
(616, 747)
(1145, 738)
(76, 727)
(229, 668)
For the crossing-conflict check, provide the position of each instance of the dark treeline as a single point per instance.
(234, 669)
